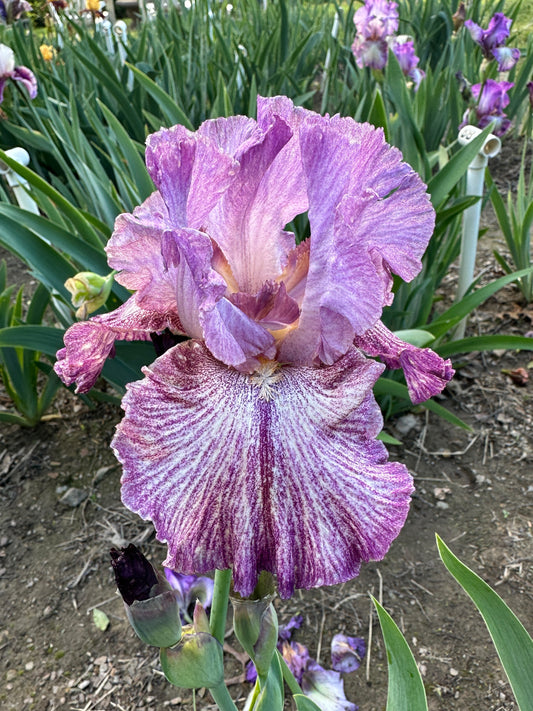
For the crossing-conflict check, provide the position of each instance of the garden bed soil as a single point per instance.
(60, 513)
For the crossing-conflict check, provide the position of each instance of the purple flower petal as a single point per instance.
(285, 631)
(347, 652)
(426, 372)
(269, 172)
(326, 689)
(371, 53)
(506, 57)
(297, 657)
(190, 588)
(27, 77)
(308, 492)
(370, 215)
(89, 343)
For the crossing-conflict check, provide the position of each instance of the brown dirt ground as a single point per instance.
(474, 489)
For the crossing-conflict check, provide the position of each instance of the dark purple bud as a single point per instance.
(134, 574)
(164, 341)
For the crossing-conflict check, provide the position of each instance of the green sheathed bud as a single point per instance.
(197, 660)
(256, 624)
(89, 291)
(150, 603)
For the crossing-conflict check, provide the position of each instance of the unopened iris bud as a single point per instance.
(256, 625)
(196, 661)
(150, 603)
(89, 291)
(459, 17)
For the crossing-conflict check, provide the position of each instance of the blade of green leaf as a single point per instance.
(170, 109)
(485, 343)
(513, 643)
(44, 339)
(386, 386)
(440, 185)
(303, 703)
(457, 312)
(406, 689)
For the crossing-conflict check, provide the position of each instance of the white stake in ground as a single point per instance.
(475, 177)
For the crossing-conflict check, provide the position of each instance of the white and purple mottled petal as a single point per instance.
(347, 653)
(26, 77)
(134, 250)
(190, 171)
(506, 57)
(89, 343)
(326, 689)
(426, 373)
(308, 493)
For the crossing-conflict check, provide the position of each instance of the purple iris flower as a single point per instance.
(189, 589)
(506, 57)
(494, 36)
(491, 101)
(253, 444)
(8, 70)
(405, 54)
(375, 21)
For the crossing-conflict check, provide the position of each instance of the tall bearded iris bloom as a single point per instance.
(375, 22)
(8, 70)
(252, 445)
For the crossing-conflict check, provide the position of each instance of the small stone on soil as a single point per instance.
(73, 497)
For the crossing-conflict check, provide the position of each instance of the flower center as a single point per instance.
(265, 377)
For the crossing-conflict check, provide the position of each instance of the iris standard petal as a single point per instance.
(278, 471)
(89, 343)
(134, 250)
(245, 224)
(426, 373)
(190, 171)
(370, 215)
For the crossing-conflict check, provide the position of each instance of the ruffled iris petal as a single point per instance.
(370, 216)
(253, 238)
(89, 343)
(280, 474)
(426, 373)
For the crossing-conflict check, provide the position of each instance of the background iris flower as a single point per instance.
(252, 445)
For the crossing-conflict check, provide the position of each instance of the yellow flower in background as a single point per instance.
(93, 5)
(47, 52)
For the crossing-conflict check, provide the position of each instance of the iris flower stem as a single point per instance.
(288, 675)
(222, 697)
(219, 606)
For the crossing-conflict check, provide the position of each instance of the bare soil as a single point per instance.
(474, 488)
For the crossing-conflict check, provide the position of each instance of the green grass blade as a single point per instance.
(513, 643)
(406, 689)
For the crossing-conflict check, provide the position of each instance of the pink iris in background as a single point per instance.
(408, 61)
(375, 22)
(8, 70)
(252, 445)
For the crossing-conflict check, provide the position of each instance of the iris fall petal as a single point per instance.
(307, 492)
